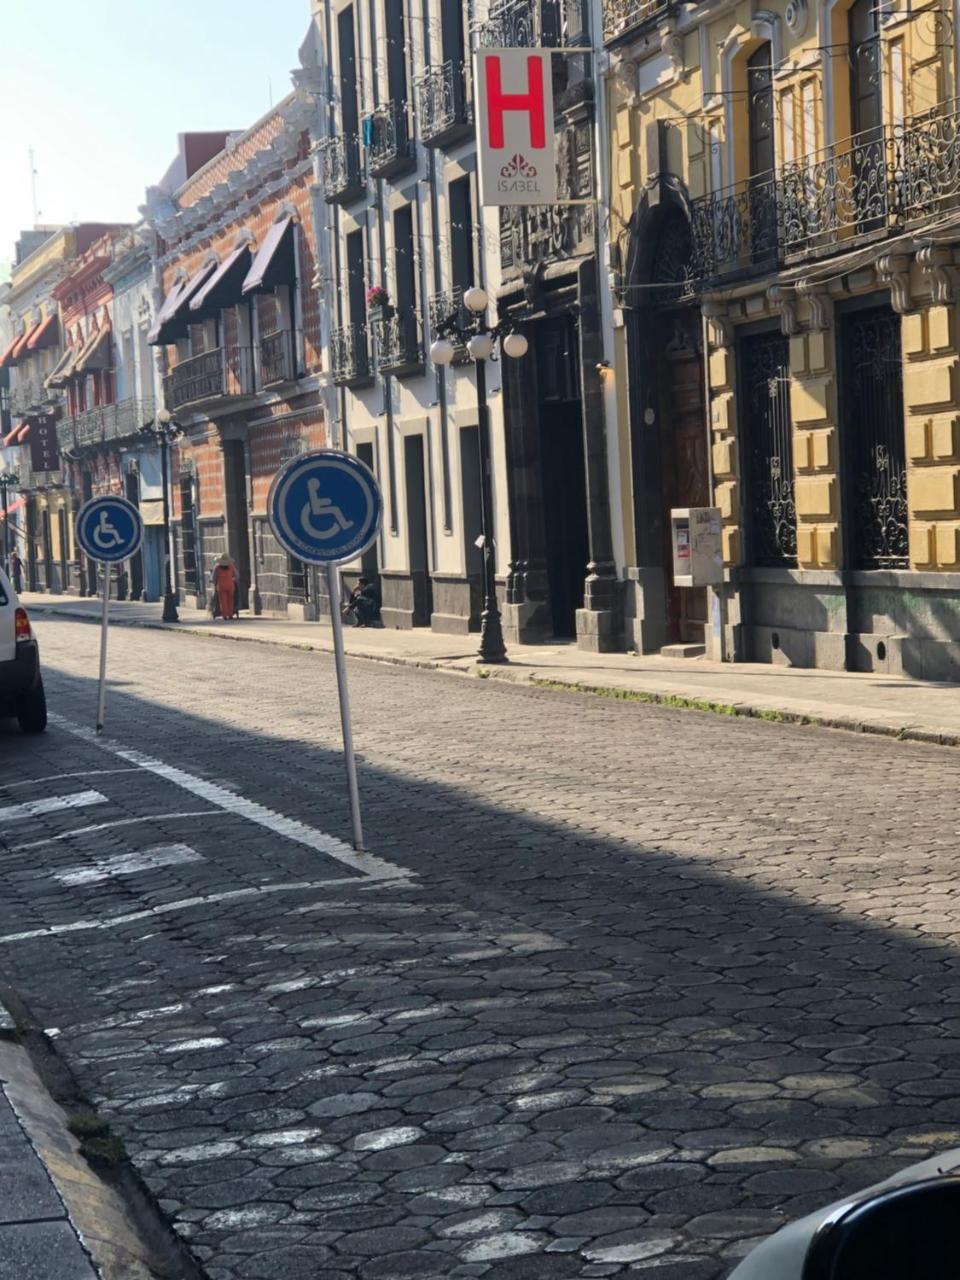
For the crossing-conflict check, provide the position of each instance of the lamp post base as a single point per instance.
(492, 648)
(169, 609)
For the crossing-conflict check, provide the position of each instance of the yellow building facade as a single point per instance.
(784, 227)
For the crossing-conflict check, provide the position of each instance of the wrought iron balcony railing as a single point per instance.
(736, 228)
(386, 137)
(106, 422)
(32, 397)
(443, 114)
(622, 16)
(350, 355)
(215, 375)
(398, 343)
(278, 357)
(864, 187)
(926, 162)
(449, 306)
(845, 190)
(552, 24)
(342, 175)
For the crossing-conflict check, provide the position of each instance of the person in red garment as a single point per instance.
(225, 581)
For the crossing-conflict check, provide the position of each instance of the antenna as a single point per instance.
(270, 91)
(33, 187)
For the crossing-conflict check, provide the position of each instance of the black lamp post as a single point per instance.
(164, 430)
(480, 339)
(8, 480)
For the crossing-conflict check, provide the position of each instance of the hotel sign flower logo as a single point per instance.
(515, 133)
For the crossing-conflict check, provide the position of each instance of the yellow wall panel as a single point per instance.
(815, 495)
(808, 401)
(933, 490)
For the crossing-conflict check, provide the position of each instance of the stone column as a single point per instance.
(725, 460)
(931, 392)
(600, 621)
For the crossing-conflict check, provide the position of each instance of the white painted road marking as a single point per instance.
(129, 864)
(202, 900)
(59, 777)
(119, 822)
(36, 808)
(369, 866)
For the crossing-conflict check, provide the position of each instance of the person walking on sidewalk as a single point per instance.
(16, 572)
(225, 582)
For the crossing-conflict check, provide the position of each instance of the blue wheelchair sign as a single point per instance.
(109, 529)
(325, 507)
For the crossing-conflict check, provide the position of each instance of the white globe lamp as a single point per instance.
(441, 351)
(475, 299)
(515, 345)
(480, 346)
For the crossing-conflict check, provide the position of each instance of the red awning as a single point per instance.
(273, 263)
(22, 432)
(95, 353)
(9, 438)
(173, 319)
(21, 348)
(8, 352)
(45, 335)
(224, 288)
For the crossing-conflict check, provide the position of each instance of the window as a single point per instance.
(356, 298)
(808, 117)
(396, 51)
(461, 233)
(346, 45)
(760, 108)
(788, 126)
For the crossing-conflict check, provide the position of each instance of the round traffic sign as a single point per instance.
(325, 507)
(109, 529)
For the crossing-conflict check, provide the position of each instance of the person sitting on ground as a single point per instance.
(364, 603)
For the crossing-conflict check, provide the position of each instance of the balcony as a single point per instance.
(350, 356)
(29, 398)
(278, 357)
(387, 140)
(443, 115)
(736, 229)
(623, 17)
(105, 423)
(398, 344)
(449, 306)
(214, 376)
(856, 191)
(342, 177)
(511, 25)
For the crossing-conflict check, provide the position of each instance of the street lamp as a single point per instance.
(480, 339)
(8, 480)
(165, 430)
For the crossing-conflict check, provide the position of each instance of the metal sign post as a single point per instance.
(109, 530)
(325, 508)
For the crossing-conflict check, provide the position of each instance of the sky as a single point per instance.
(101, 88)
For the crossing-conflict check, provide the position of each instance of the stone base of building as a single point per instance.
(644, 610)
(456, 605)
(404, 600)
(305, 611)
(600, 630)
(527, 622)
(893, 622)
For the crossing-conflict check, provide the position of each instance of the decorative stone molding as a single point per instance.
(719, 327)
(795, 15)
(624, 72)
(783, 298)
(893, 269)
(671, 43)
(936, 263)
(819, 301)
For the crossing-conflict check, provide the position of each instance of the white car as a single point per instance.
(21, 686)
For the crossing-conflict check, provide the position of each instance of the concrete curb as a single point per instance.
(555, 683)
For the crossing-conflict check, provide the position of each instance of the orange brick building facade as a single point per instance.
(239, 326)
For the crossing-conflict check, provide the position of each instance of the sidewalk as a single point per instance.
(866, 702)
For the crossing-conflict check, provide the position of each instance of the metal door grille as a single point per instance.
(768, 450)
(875, 470)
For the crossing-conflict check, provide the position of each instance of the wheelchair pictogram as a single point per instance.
(105, 535)
(322, 508)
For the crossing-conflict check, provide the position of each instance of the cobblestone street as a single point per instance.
(618, 990)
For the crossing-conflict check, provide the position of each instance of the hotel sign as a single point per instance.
(515, 134)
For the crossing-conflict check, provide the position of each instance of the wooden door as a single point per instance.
(683, 450)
